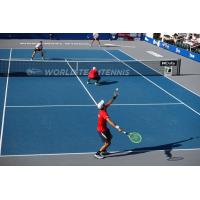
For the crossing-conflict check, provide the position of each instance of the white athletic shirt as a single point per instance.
(38, 46)
(95, 35)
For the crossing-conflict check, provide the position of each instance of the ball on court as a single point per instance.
(117, 89)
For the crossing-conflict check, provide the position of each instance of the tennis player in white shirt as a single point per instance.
(95, 38)
(38, 48)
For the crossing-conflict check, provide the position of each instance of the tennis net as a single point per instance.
(81, 68)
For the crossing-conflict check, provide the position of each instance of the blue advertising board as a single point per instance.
(172, 48)
(57, 36)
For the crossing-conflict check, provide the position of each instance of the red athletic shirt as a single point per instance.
(93, 73)
(102, 121)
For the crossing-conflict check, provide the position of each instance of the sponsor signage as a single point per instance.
(173, 48)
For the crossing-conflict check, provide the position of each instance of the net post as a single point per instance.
(77, 66)
(179, 66)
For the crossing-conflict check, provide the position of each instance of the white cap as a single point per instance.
(100, 104)
(94, 68)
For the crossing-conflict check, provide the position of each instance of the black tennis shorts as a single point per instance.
(106, 136)
(96, 78)
(36, 49)
(96, 38)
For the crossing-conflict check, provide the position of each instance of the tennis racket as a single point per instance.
(134, 137)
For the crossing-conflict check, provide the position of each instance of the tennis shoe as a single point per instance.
(98, 155)
(105, 153)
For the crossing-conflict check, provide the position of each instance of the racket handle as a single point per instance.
(124, 132)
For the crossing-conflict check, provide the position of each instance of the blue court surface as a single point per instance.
(52, 115)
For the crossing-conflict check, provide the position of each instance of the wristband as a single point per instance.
(117, 127)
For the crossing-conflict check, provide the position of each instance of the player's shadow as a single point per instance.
(167, 148)
(107, 82)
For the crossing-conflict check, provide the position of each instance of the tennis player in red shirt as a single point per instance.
(93, 75)
(102, 128)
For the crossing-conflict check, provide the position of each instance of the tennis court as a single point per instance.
(57, 114)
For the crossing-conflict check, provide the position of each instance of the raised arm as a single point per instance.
(115, 95)
(110, 101)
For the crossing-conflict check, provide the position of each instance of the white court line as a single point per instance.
(49, 106)
(92, 105)
(48, 154)
(167, 77)
(55, 45)
(154, 83)
(147, 104)
(133, 47)
(155, 54)
(82, 83)
(71, 60)
(88, 60)
(89, 153)
(5, 100)
(117, 45)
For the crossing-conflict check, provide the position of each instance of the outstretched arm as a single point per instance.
(114, 125)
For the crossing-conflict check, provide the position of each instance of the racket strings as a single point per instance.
(135, 137)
